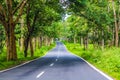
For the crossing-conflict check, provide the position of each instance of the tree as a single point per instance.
(40, 13)
(9, 16)
(116, 24)
(31, 19)
(93, 13)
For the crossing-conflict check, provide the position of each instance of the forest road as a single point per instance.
(57, 64)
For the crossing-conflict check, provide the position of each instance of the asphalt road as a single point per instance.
(58, 64)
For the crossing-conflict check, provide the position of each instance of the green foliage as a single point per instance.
(91, 18)
(2, 38)
(18, 32)
(106, 60)
(50, 11)
(77, 5)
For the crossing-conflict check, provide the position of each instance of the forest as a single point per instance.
(89, 29)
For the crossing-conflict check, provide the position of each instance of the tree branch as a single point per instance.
(27, 17)
(21, 11)
(34, 21)
(2, 11)
(2, 15)
(18, 6)
(9, 7)
(90, 19)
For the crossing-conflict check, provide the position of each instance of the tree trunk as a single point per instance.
(27, 39)
(74, 40)
(86, 42)
(81, 41)
(102, 42)
(9, 23)
(119, 20)
(11, 44)
(51, 40)
(34, 43)
(94, 39)
(31, 48)
(21, 44)
(10, 35)
(116, 26)
(113, 37)
(110, 42)
(26, 42)
(119, 16)
(46, 41)
(40, 43)
(22, 39)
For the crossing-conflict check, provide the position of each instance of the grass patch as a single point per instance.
(21, 59)
(107, 60)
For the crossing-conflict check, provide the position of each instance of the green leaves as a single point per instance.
(93, 18)
(2, 38)
(77, 5)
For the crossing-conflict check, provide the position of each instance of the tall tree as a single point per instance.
(116, 24)
(9, 16)
(40, 13)
(30, 28)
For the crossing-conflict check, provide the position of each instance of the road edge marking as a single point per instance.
(92, 66)
(26, 62)
(18, 65)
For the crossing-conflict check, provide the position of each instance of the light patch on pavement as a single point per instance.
(39, 75)
(52, 64)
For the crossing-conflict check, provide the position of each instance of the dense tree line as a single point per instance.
(27, 21)
(94, 21)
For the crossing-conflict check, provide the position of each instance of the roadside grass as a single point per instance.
(4, 64)
(107, 60)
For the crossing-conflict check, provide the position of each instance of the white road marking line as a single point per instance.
(25, 63)
(52, 64)
(56, 60)
(39, 75)
(18, 65)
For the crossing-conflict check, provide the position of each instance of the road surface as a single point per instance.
(58, 64)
